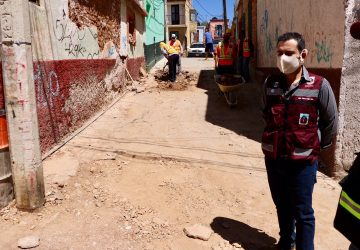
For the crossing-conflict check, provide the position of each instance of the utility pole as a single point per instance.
(20, 103)
(225, 16)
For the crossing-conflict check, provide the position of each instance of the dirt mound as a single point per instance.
(183, 80)
(229, 80)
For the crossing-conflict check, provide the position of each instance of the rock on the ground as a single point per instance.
(140, 89)
(237, 245)
(198, 231)
(29, 242)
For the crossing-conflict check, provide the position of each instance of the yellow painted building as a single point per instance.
(181, 20)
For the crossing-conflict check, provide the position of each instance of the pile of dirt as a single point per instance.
(183, 80)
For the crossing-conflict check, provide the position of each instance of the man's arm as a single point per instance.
(328, 114)
(164, 52)
(181, 49)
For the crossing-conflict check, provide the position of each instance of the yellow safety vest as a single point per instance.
(170, 50)
(177, 45)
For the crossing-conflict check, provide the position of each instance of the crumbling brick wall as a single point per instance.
(104, 15)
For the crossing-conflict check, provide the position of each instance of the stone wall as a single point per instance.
(349, 137)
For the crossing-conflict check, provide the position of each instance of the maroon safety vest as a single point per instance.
(291, 131)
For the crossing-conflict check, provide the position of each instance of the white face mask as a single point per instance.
(288, 64)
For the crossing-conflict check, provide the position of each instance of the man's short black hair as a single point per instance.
(293, 35)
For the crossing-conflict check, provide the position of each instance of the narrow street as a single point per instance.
(161, 160)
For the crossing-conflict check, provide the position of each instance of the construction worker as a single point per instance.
(246, 49)
(347, 219)
(224, 55)
(173, 57)
(176, 44)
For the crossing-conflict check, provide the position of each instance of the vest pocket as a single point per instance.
(305, 143)
(269, 144)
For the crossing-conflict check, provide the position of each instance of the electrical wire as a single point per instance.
(206, 9)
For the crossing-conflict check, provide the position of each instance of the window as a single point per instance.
(218, 30)
(175, 14)
(131, 26)
(193, 15)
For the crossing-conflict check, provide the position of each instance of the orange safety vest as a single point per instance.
(246, 49)
(225, 57)
(176, 45)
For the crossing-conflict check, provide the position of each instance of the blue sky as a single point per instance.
(207, 9)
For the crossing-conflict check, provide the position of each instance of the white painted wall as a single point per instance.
(68, 41)
(138, 49)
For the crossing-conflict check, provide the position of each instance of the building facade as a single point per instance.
(217, 28)
(181, 21)
(81, 52)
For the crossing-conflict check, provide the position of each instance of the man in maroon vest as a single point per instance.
(301, 118)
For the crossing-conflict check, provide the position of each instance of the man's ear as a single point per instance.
(304, 53)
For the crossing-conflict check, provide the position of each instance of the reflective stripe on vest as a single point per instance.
(267, 147)
(350, 205)
(225, 57)
(246, 49)
(307, 93)
(302, 151)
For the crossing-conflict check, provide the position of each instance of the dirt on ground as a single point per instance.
(158, 162)
(183, 80)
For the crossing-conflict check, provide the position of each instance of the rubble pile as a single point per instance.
(183, 80)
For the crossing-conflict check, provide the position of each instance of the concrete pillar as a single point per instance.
(20, 102)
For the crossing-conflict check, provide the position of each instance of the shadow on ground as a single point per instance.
(245, 119)
(237, 232)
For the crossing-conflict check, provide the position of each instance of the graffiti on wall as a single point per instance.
(75, 42)
(323, 52)
(268, 40)
(109, 51)
(265, 21)
(48, 85)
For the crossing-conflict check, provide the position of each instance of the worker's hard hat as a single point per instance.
(173, 36)
(228, 31)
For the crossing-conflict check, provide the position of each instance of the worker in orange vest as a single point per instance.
(224, 55)
(246, 50)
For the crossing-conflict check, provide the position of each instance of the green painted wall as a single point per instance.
(154, 21)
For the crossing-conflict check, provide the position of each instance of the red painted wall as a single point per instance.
(133, 66)
(54, 82)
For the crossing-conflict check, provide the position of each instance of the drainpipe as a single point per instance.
(20, 103)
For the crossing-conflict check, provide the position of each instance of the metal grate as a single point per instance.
(152, 55)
